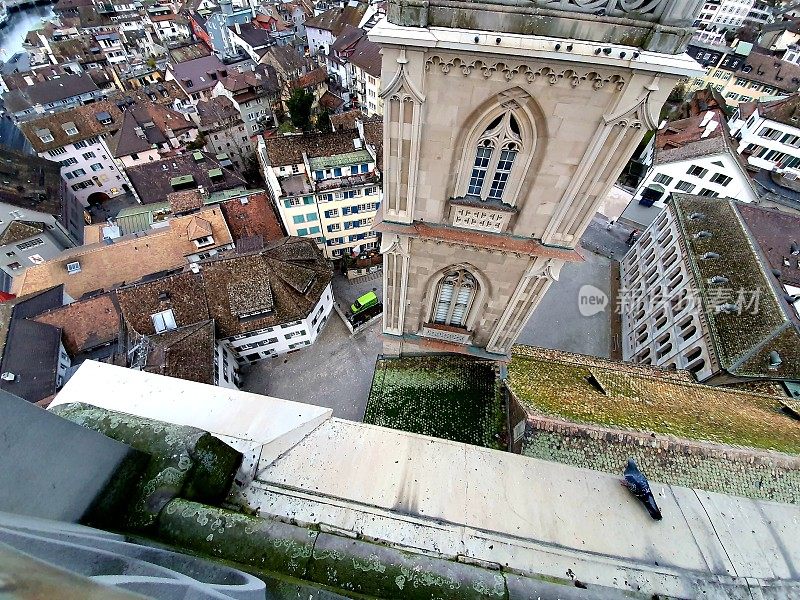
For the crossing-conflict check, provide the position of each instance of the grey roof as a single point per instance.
(53, 468)
(196, 75)
(52, 90)
(31, 349)
(254, 36)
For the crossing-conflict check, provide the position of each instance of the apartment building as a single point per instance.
(712, 287)
(695, 155)
(744, 72)
(769, 133)
(220, 125)
(253, 93)
(54, 94)
(326, 187)
(77, 139)
(263, 303)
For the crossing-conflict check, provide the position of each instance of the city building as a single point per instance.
(326, 187)
(77, 139)
(110, 263)
(262, 303)
(148, 132)
(695, 155)
(222, 130)
(39, 215)
(712, 287)
(197, 170)
(769, 133)
(53, 94)
(494, 166)
(253, 93)
(197, 77)
(323, 29)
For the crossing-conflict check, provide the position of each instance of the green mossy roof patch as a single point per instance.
(737, 336)
(450, 397)
(631, 400)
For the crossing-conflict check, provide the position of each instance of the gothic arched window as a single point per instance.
(494, 157)
(454, 298)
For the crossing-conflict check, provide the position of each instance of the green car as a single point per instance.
(364, 302)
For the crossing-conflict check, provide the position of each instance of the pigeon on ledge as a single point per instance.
(637, 483)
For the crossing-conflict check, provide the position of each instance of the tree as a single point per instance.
(299, 104)
(198, 143)
(251, 171)
(324, 122)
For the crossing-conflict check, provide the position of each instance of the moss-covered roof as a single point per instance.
(614, 394)
(450, 397)
(742, 338)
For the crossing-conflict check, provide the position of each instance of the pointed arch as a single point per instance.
(455, 296)
(498, 147)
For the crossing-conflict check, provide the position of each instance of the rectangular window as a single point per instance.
(57, 151)
(313, 230)
(79, 172)
(697, 171)
(30, 244)
(707, 192)
(685, 186)
(364, 168)
(88, 155)
(501, 174)
(298, 219)
(721, 179)
(81, 144)
(319, 175)
(663, 179)
(330, 214)
(482, 158)
(289, 202)
(311, 217)
(96, 167)
(308, 200)
(164, 321)
(337, 172)
(68, 162)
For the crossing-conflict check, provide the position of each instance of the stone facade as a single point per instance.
(564, 115)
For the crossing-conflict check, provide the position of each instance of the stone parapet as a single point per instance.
(654, 25)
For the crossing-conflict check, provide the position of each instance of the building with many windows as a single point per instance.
(262, 302)
(713, 286)
(326, 187)
(78, 140)
(695, 155)
(769, 133)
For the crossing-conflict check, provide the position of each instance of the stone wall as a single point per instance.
(716, 468)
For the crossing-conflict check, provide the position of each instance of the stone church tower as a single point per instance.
(505, 125)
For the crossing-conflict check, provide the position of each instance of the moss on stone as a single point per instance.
(184, 461)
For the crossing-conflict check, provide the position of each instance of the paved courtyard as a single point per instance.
(336, 371)
(557, 322)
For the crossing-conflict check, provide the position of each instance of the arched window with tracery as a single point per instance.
(494, 158)
(498, 151)
(454, 298)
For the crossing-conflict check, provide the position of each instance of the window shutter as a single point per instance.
(443, 304)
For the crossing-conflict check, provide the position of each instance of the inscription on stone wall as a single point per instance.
(447, 336)
(478, 218)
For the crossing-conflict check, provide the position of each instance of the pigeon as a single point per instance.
(637, 483)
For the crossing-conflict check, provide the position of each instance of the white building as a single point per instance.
(326, 187)
(769, 133)
(77, 139)
(263, 304)
(700, 292)
(691, 156)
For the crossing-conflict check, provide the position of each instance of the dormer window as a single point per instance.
(204, 241)
(164, 321)
(45, 135)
